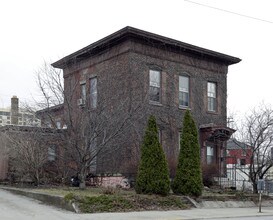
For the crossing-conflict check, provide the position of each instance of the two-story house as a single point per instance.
(132, 74)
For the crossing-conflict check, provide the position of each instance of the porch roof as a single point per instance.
(217, 132)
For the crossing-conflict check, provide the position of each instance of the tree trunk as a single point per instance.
(82, 185)
(82, 179)
(255, 188)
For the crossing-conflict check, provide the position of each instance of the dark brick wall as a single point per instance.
(123, 73)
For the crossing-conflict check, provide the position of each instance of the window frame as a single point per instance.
(179, 140)
(158, 86)
(210, 157)
(185, 92)
(83, 91)
(211, 97)
(93, 93)
(51, 153)
(243, 153)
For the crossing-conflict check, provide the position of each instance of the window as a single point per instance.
(183, 91)
(211, 97)
(83, 92)
(179, 140)
(51, 153)
(58, 124)
(243, 162)
(210, 154)
(243, 152)
(93, 92)
(154, 90)
(160, 136)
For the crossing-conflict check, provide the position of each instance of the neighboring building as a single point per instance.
(270, 171)
(238, 160)
(26, 148)
(17, 116)
(238, 153)
(13, 118)
(135, 69)
(52, 117)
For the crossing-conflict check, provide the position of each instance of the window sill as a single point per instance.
(212, 113)
(155, 103)
(184, 107)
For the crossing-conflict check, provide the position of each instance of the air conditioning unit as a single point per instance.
(80, 102)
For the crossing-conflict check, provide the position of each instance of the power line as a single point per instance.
(231, 12)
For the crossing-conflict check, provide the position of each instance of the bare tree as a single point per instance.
(256, 131)
(95, 126)
(30, 149)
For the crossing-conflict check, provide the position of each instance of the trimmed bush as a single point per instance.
(153, 174)
(188, 179)
(209, 171)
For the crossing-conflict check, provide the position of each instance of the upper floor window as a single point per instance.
(58, 124)
(83, 92)
(179, 140)
(93, 92)
(154, 90)
(183, 91)
(211, 96)
(160, 136)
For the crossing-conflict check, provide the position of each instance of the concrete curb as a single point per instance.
(57, 201)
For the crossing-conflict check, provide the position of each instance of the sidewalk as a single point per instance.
(183, 214)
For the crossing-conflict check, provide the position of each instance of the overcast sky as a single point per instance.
(34, 31)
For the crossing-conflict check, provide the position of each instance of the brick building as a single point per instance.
(139, 73)
(238, 153)
(28, 150)
(17, 116)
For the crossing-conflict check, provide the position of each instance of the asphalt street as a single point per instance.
(14, 207)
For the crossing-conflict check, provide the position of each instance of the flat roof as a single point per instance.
(147, 37)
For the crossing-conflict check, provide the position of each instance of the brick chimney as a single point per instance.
(14, 110)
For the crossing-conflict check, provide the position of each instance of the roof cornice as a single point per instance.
(154, 39)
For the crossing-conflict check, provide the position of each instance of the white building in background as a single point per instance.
(17, 116)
